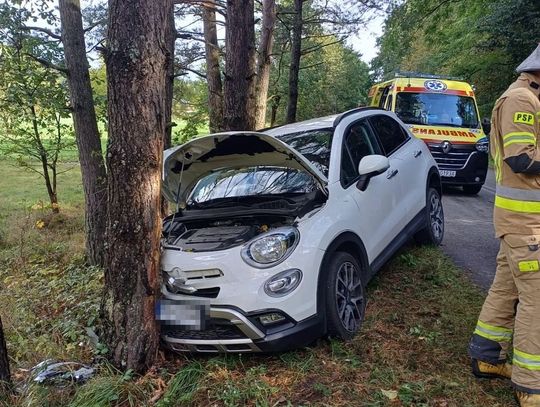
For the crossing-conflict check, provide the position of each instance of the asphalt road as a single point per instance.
(469, 236)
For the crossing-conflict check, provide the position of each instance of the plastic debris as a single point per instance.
(61, 373)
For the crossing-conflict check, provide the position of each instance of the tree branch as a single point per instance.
(200, 74)
(48, 64)
(92, 26)
(43, 30)
(314, 48)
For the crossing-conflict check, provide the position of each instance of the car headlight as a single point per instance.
(271, 248)
(482, 145)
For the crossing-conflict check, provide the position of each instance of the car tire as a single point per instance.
(472, 189)
(433, 232)
(344, 294)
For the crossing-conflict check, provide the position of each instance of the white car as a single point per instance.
(276, 234)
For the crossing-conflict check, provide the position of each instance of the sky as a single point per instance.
(365, 40)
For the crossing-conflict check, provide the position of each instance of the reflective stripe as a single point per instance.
(492, 332)
(526, 360)
(517, 205)
(497, 166)
(520, 140)
(518, 133)
(518, 194)
(519, 137)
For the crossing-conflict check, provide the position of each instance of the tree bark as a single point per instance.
(136, 63)
(5, 375)
(213, 70)
(264, 61)
(240, 75)
(170, 40)
(294, 68)
(94, 177)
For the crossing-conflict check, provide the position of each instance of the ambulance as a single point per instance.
(441, 111)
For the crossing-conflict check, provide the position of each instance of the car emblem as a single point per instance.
(446, 146)
(435, 86)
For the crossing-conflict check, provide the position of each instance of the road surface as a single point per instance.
(469, 237)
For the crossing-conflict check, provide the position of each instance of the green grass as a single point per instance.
(21, 188)
(411, 351)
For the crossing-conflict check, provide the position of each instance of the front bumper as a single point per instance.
(467, 165)
(230, 330)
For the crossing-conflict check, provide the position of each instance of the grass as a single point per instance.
(411, 350)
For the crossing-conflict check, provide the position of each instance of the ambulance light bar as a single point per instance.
(400, 74)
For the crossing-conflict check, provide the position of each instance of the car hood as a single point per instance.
(184, 165)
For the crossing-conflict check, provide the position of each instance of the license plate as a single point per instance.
(188, 314)
(447, 173)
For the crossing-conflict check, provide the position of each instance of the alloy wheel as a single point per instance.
(349, 297)
(436, 216)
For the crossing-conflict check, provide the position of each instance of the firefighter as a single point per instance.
(511, 313)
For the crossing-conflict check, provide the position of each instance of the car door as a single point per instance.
(406, 168)
(377, 204)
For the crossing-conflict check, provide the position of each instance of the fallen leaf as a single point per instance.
(390, 394)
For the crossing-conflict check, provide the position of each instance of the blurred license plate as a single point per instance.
(188, 314)
(447, 173)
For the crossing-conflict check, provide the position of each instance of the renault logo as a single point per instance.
(446, 146)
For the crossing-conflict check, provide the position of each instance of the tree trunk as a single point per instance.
(274, 108)
(264, 61)
(294, 68)
(136, 79)
(94, 177)
(240, 75)
(170, 40)
(213, 70)
(5, 376)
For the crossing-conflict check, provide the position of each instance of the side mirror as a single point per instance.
(369, 167)
(486, 126)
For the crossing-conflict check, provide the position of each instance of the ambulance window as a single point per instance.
(359, 141)
(391, 134)
(382, 102)
(389, 103)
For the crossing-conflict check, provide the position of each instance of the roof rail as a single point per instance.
(338, 119)
(405, 74)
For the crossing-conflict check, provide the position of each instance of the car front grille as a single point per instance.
(455, 159)
(216, 330)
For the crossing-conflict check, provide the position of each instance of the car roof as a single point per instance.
(326, 122)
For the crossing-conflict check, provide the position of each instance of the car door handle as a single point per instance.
(391, 174)
(417, 153)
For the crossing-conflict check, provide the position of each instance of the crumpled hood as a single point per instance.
(184, 165)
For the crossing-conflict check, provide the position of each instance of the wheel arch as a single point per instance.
(348, 242)
(434, 180)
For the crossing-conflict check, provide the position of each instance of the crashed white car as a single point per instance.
(276, 234)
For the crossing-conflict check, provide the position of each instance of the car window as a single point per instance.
(312, 144)
(359, 141)
(390, 133)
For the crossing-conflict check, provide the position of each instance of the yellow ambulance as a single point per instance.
(441, 111)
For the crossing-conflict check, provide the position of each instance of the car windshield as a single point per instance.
(251, 182)
(436, 109)
(312, 144)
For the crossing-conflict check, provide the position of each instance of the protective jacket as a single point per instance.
(515, 148)
(510, 314)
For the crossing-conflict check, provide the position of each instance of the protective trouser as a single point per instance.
(513, 305)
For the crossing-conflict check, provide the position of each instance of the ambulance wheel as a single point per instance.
(472, 189)
(433, 232)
